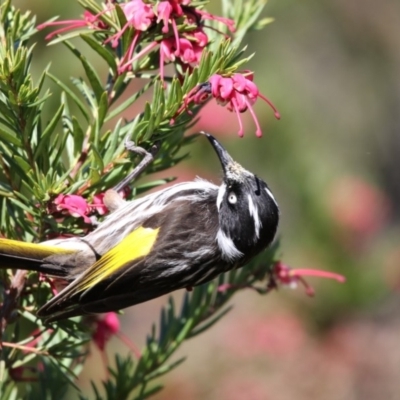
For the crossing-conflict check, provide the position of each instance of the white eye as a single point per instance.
(232, 198)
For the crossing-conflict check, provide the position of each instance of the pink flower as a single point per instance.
(75, 205)
(105, 328)
(359, 207)
(182, 47)
(238, 92)
(139, 15)
(164, 11)
(89, 20)
(284, 275)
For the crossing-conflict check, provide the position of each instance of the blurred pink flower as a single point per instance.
(75, 205)
(241, 388)
(278, 335)
(18, 374)
(105, 328)
(358, 206)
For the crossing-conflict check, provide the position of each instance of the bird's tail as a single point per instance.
(32, 257)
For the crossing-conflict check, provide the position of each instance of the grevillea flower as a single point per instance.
(105, 328)
(184, 47)
(187, 49)
(89, 21)
(238, 92)
(139, 16)
(166, 10)
(74, 205)
(284, 275)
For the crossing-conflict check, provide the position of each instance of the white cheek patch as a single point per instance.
(227, 247)
(271, 195)
(221, 194)
(254, 213)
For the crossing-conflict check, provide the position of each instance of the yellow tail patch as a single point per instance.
(136, 245)
(29, 250)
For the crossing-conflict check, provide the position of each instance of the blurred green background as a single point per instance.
(332, 69)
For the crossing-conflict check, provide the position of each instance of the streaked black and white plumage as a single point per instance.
(178, 237)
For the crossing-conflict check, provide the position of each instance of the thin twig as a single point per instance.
(147, 160)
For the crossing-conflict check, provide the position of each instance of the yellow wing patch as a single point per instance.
(136, 245)
(30, 250)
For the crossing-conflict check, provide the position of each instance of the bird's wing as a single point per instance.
(133, 247)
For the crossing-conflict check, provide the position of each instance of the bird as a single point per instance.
(175, 238)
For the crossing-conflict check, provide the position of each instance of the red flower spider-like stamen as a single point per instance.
(226, 21)
(283, 274)
(89, 20)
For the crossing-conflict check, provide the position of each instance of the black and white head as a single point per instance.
(248, 212)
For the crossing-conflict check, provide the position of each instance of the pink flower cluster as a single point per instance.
(156, 25)
(78, 207)
(74, 205)
(185, 47)
(105, 328)
(176, 29)
(238, 92)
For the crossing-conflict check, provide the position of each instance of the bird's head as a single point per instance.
(248, 212)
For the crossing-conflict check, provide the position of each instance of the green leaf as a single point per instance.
(210, 322)
(22, 163)
(122, 107)
(45, 136)
(98, 162)
(78, 136)
(9, 137)
(72, 95)
(102, 110)
(102, 51)
(91, 73)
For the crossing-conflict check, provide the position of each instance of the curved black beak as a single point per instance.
(224, 157)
